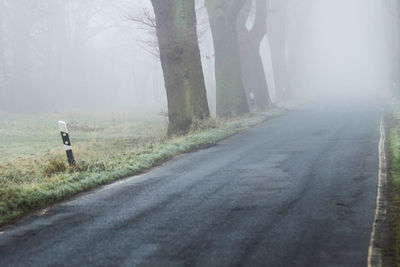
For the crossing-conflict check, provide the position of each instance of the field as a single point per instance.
(30, 135)
(107, 146)
(30, 145)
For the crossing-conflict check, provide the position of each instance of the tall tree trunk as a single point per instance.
(192, 58)
(277, 40)
(253, 71)
(180, 60)
(231, 97)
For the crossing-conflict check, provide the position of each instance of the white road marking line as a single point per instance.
(374, 253)
(1, 233)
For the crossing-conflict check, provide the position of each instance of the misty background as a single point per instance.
(91, 55)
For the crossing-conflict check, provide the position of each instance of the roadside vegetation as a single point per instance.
(394, 175)
(34, 172)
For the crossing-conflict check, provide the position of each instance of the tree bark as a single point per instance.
(181, 63)
(254, 79)
(231, 97)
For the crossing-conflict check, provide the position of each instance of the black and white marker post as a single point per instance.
(252, 100)
(67, 143)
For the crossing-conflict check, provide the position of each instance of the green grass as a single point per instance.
(394, 174)
(109, 146)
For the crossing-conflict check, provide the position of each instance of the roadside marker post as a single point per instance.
(62, 126)
(252, 99)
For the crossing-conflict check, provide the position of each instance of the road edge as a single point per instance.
(196, 142)
(375, 258)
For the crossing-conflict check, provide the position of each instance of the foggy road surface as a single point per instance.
(298, 190)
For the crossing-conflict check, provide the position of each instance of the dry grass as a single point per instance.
(33, 167)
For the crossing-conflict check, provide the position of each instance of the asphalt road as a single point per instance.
(298, 190)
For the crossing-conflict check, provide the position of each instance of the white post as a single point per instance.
(62, 126)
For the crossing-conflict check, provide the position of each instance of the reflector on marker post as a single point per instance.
(66, 141)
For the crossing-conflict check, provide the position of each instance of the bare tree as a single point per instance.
(231, 97)
(277, 17)
(181, 63)
(254, 78)
(145, 21)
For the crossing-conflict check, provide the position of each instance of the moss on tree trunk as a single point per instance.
(181, 63)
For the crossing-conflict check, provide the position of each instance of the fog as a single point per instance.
(217, 132)
(64, 55)
(343, 53)
(76, 55)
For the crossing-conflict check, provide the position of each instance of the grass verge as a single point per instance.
(31, 183)
(394, 176)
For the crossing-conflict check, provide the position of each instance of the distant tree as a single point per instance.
(42, 51)
(392, 8)
(254, 78)
(277, 17)
(181, 63)
(20, 21)
(3, 68)
(70, 26)
(231, 97)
